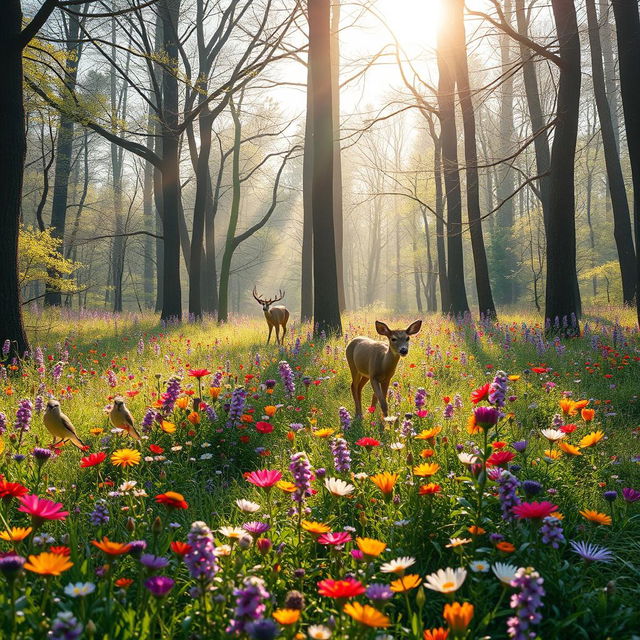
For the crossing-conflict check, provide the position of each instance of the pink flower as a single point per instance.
(534, 510)
(264, 478)
(339, 537)
(41, 509)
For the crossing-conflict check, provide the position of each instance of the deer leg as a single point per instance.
(284, 332)
(278, 334)
(270, 330)
(377, 389)
(355, 381)
(363, 380)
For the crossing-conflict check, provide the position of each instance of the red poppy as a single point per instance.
(198, 373)
(480, 394)
(154, 448)
(539, 370)
(172, 499)
(368, 442)
(347, 588)
(568, 428)
(264, 427)
(60, 551)
(12, 490)
(93, 459)
(180, 548)
(123, 583)
(500, 458)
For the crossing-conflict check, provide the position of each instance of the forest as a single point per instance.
(207, 207)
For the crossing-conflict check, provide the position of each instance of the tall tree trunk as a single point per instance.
(562, 302)
(326, 303)
(448, 136)
(64, 149)
(209, 283)
(13, 148)
(149, 219)
(416, 269)
(483, 284)
(615, 180)
(338, 220)
(306, 277)
(171, 205)
(628, 31)
(609, 67)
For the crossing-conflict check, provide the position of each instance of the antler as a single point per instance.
(270, 300)
(279, 296)
(255, 295)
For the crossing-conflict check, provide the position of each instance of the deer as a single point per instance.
(276, 316)
(375, 362)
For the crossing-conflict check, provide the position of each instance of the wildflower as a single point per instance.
(367, 615)
(591, 439)
(368, 443)
(534, 510)
(65, 627)
(591, 552)
(264, 478)
(262, 629)
(504, 572)
(458, 542)
(170, 396)
(406, 583)
(385, 481)
(11, 490)
(159, 586)
(458, 616)
(467, 459)
(319, 632)
(370, 548)
(426, 469)
(315, 528)
(498, 389)
(111, 548)
(152, 562)
(552, 435)
(41, 454)
(630, 495)
(439, 633)
(93, 459)
(286, 617)
(301, 470)
(399, 565)
(337, 487)
(520, 446)
(201, 559)
(337, 538)
(446, 580)
(256, 528)
(479, 566)
(41, 509)
(172, 499)
(180, 548)
(480, 394)
(507, 487)
(587, 414)
(526, 603)
(341, 455)
(569, 449)
(48, 564)
(247, 506)
(346, 588)
(500, 458)
(249, 604)
(595, 516)
(79, 589)
(429, 434)
(345, 418)
(123, 583)
(100, 514)
(506, 547)
(11, 565)
(551, 531)
(379, 593)
(125, 458)
(23, 416)
(610, 496)
(429, 489)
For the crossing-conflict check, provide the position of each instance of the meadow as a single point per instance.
(500, 498)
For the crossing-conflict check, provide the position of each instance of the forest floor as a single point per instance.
(344, 535)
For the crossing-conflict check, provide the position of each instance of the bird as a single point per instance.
(59, 425)
(121, 418)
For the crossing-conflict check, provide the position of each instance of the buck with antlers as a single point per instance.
(276, 316)
(374, 361)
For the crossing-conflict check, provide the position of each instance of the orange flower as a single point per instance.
(569, 448)
(406, 583)
(436, 634)
(214, 392)
(427, 453)
(15, 534)
(315, 528)
(385, 481)
(194, 417)
(472, 426)
(182, 402)
(369, 547)
(429, 489)
(505, 546)
(172, 499)
(123, 583)
(366, 615)
(168, 427)
(125, 457)
(48, 564)
(429, 434)
(591, 439)
(588, 414)
(596, 516)
(475, 530)
(286, 486)
(426, 470)
(286, 616)
(552, 454)
(270, 410)
(458, 616)
(111, 548)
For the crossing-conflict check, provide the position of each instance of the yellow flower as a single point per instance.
(168, 427)
(406, 583)
(48, 564)
(458, 616)
(514, 378)
(125, 458)
(426, 470)
(316, 528)
(182, 403)
(571, 449)
(324, 433)
(286, 486)
(385, 481)
(429, 434)
(596, 516)
(591, 439)
(96, 431)
(552, 453)
(370, 547)
(366, 615)
(15, 534)
(286, 616)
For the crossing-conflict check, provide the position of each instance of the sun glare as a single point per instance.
(414, 22)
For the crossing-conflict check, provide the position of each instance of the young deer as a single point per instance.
(276, 316)
(371, 360)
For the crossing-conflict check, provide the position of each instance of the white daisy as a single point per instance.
(446, 580)
(319, 632)
(504, 572)
(338, 487)
(399, 565)
(552, 435)
(479, 566)
(247, 506)
(467, 458)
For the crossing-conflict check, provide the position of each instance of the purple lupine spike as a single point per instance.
(507, 486)
(341, 455)
(286, 374)
(526, 603)
(249, 604)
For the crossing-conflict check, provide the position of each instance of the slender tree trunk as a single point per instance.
(483, 284)
(209, 283)
(148, 217)
(448, 136)
(306, 284)
(562, 302)
(609, 67)
(628, 31)
(416, 270)
(615, 180)
(12, 157)
(326, 301)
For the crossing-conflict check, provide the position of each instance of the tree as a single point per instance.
(326, 304)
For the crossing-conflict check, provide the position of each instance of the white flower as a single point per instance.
(247, 506)
(467, 458)
(127, 486)
(222, 550)
(456, 542)
(206, 456)
(553, 434)
(319, 632)
(398, 565)
(479, 566)
(504, 572)
(140, 493)
(338, 487)
(446, 580)
(396, 446)
(235, 533)
(80, 589)
(360, 476)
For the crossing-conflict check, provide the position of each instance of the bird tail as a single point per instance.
(77, 442)
(134, 433)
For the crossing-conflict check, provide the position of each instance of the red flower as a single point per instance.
(500, 458)
(12, 489)
(172, 499)
(534, 510)
(264, 427)
(347, 588)
(368, 442)
(264, 478)
(568, 428)
(539, 370)
(60, 551)
(480, 394)
(93, 459)
(154, 448)
(198, 373)
(123, 583)
(180, 548)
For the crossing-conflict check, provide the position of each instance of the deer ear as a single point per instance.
(414, 327)
(382, 328)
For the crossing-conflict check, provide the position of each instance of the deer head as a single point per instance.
(398, 338)
(267, 303)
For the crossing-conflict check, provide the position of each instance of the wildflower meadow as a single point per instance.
(500, 498)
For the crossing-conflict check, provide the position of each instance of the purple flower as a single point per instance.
(249, 604)
(486, 417)
(448, 411)
(3, 422)
(526, 603)
(507, 487)
(154, 563)
(112, 379)
(41, 455)
(10, 565)
(286, 375)
(256, 528)
(262, 629)
(345, 418)
(6, 347)
(498, 389)
(236, 408)
(136, 547)
(65, 627)
(150, 417)
(520, 445)
(301, 470)
(610, 496)
(591, 552)
(201, 559)
(378, 592)
(531, 487)
(23, 415)
(56, 372)
(551, 531)
(270, 384)
(170, 395)
(420, 398)
(630, 495)
(100, 514)
(341, 455)
(159, 586)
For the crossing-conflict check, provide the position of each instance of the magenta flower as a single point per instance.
(264, 478)
(534, 510)
(159, 586)
(339, 537)
(630, 495)
(486, 417)
(41, 509)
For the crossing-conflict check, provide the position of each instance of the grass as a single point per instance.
(204, 459)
